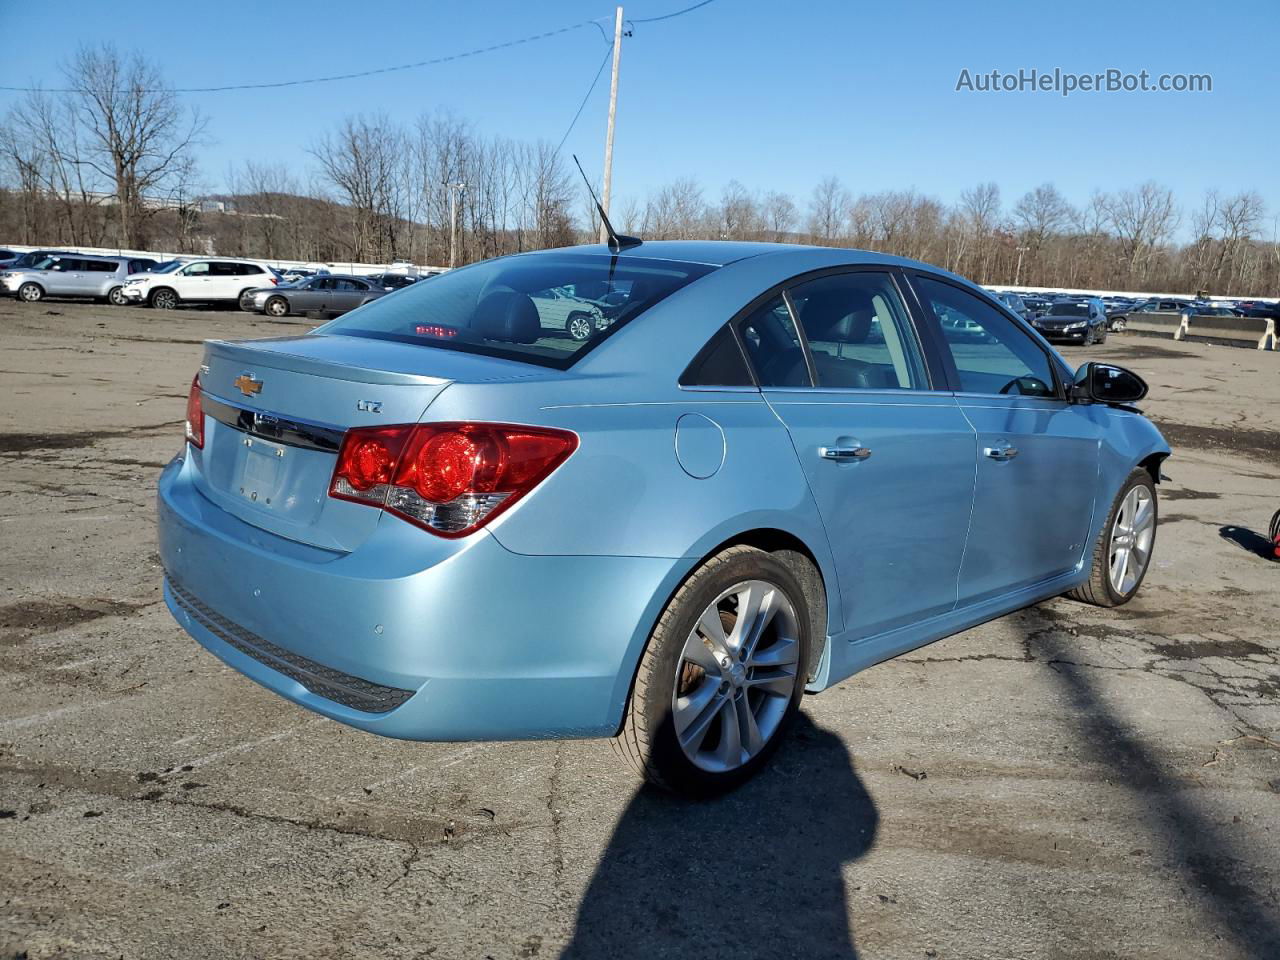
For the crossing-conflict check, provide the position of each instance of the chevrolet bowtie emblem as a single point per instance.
(247, 385)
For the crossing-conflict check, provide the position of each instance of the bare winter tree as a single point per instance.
(266, 197)
(1040, 213)
(1143, 219)
(676, 211)
(828, 209)
(739, 215)
(135, 131)
(48, 128)
(979, 220)
(361, 160)
(780, 215)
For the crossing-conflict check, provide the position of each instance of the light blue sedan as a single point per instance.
(441, 517)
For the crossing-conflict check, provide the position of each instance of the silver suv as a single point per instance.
(73, 275)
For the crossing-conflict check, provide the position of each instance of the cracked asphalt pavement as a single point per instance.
(1066, 782)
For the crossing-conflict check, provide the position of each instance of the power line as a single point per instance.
(590, 90)
(276, 85)
(670, 16)
(343, 76)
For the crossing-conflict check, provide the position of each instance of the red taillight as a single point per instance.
(449, 478)
(195, 414)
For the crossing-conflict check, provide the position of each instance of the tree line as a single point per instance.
(111, 160)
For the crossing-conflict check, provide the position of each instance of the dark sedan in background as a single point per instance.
(325, 295)
(1074, 321)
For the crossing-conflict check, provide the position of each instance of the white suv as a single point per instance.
(202, 281)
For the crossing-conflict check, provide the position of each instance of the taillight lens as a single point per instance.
(195, 414)
(449, 478)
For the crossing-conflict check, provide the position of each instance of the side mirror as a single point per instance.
(1107, 383)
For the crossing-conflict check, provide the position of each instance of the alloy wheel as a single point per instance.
(579, 327)
(277, 307)
(164, 300)
(30, 292)
(116, 296)
(1131, 539)
(736, 676)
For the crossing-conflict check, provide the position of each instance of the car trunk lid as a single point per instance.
(276, 411)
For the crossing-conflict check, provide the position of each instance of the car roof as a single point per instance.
(721, 253)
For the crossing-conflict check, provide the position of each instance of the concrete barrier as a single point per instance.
(1253, 331)
(1161, 323)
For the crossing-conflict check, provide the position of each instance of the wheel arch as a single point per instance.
(1152, 463)
(821, 594)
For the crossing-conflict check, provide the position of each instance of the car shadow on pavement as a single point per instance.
(1199, 848)
(1247, 539)
(755, 873)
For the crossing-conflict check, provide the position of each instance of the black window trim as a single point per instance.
(926, 317)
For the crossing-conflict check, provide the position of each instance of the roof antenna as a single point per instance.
(616, 240)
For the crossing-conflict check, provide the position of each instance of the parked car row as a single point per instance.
(1118, 309)
(121, 280)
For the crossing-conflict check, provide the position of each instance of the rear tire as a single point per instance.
(31, 293)
(115, 297)
(731, 692)
(1123, 543)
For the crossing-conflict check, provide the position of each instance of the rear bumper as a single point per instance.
(431, 639)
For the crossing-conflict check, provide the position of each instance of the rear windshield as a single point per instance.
(542, 308)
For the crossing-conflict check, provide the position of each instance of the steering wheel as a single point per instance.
(1027, 387)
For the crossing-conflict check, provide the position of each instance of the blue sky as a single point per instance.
(776, 95)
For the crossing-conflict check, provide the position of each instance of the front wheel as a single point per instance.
(579, 326)
(1118, 325)
(276, 307)
(164, 299)
(31, 292)
(1122, 552)
(721, 678)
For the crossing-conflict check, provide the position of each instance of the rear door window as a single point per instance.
(858, 332)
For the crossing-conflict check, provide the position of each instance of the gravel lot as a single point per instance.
(1064, 782)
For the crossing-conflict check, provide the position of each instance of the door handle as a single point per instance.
(1001, 451)
(852, 452)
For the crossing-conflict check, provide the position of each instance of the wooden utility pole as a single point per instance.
(613, 111)
(454, 190)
